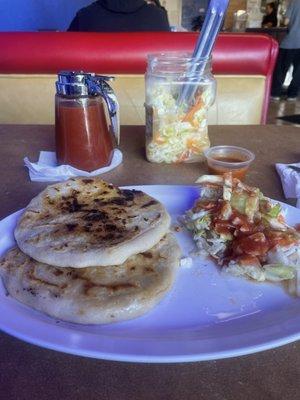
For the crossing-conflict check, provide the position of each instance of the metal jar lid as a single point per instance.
(79, 83)
(72, 83)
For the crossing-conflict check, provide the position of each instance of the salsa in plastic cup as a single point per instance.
(222, 159)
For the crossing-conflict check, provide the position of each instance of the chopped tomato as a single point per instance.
(205, 205)
(281, 238)
(253, 245)
(223, 227)
(240, 219)
(248, 260)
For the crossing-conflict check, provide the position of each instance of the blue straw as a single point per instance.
(205, 43)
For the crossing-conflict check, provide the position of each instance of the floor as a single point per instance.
(281, 108)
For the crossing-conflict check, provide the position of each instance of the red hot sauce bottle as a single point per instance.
(86, 121)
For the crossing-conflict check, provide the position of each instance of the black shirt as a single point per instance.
(271, 18)
(120, 16)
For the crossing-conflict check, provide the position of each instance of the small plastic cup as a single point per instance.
(222, 159)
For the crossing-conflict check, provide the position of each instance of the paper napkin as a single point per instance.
(47, 170)
(290, 180)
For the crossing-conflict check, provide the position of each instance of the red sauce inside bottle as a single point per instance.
(83, 139)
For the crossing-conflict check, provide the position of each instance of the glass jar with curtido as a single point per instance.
(179, 92)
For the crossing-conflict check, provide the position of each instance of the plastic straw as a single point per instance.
(205, 43)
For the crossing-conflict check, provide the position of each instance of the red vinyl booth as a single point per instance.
(242, 63)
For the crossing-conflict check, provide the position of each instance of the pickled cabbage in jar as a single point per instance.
(177, 132)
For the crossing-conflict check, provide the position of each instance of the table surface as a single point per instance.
(30, 372)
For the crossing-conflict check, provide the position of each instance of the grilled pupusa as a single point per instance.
(88, 222)
(93, 295)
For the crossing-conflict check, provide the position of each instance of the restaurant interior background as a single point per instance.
(56, 15)
(32, 15)
(209, 319)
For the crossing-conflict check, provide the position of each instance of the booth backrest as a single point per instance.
(242, 63)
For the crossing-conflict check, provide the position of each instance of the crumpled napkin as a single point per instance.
(47, 170)
(290, 180)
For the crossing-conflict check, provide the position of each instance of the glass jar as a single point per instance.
(86, 120)
(178, 95)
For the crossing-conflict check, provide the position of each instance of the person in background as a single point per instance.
(289, 55)
(270, 19)
(157, 4)
(197, 23)
(120, 16)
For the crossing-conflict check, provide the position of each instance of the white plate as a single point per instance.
(205, 316)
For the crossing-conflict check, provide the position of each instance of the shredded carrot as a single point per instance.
(195, 123)
(189, 116)
(184, 156)
(158, 139)
(193, 145)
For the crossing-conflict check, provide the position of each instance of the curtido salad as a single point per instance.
(176, 133)
(244, 231)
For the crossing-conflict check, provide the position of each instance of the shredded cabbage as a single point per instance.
(252, 271)
(246, 232)
(177, 135)
(278, 272)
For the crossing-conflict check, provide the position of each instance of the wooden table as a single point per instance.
(30, 372)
